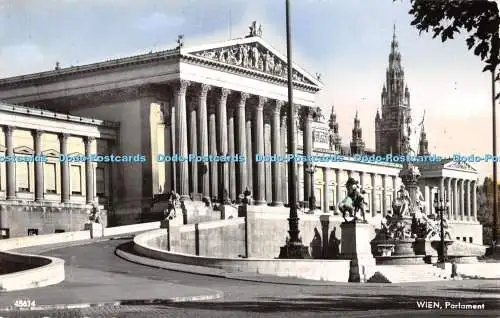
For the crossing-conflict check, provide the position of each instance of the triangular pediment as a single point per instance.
(50, 153)
(23, 150)
(252, 53)
(456, 165)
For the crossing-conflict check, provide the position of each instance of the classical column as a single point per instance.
(467, 200)
(10, 166)
(441, 188)
(326, 189)
(37, 141)
(474, 200)
(462, 200)
(394, 188)
(337, 190)
(89, 170)
(168, 146)
(384, 195)
(455, 199)
(307, 148)
(277, 185)
(284, 168)
(242, 145)
(65, 182)
(173, 145)
(374, 195)
(180, 89)
(212, 138)
(260, 187)
(231, 151)
(204, 184)
(222, 141)
(249, 144)
(193, 145)
(448, 191)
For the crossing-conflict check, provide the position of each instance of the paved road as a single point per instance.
(95, 273)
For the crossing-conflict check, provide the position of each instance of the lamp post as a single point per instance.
(293, 249)
(441, 206)
(311, 170)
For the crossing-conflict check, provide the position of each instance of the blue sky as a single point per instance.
(346, 41)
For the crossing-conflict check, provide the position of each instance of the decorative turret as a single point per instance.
(335, 140)
(357, 143)
(395, 100)
(423, 144)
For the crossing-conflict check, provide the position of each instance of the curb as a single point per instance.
(138, 302)
(213, 272)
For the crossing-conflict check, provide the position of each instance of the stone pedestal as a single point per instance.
(96, 229)
(355, 245)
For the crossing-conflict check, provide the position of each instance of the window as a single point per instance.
(76, 180)
(4, 233)
(470, 239)
(22, 177)
(49, 177)
(32, 232)
(59, 231)
(100, 182)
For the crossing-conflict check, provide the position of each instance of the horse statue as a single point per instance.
(354, 204)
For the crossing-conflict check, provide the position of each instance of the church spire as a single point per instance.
(335, 140)
(357, 143)
(423, 144)
(395, 104)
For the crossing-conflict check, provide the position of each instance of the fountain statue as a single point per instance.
(403, 235)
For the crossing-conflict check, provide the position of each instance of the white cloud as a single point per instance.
(158, 21)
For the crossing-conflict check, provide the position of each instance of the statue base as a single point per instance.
(294, 251)
(355, 245)
(96, 229)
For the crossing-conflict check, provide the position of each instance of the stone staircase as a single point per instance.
(408, 273)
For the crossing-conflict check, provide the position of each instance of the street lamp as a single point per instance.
(293, 249)
(441, 206)
(311, 170)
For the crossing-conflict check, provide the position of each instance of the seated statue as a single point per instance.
(247, 194)
(172, 202)
(95, 213)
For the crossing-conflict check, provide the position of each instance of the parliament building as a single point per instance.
(220, 99)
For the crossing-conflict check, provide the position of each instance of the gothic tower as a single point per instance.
(423, 144)
(357, 143)
(335, 140)
(390, 124)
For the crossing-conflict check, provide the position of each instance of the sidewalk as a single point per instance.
(87, 287)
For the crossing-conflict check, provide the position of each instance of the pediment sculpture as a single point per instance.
(459, 165)
(252, 56)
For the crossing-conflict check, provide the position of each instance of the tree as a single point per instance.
(480, 19)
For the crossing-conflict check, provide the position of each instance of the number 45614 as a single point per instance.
(24, 303)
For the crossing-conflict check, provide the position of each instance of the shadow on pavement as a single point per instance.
(341, 303)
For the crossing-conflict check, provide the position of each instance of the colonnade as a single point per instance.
(39, 195)
(461, 195)
(381, 188)
(224, 123)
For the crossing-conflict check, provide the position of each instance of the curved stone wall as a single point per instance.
(43, 271)
(151, 244)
